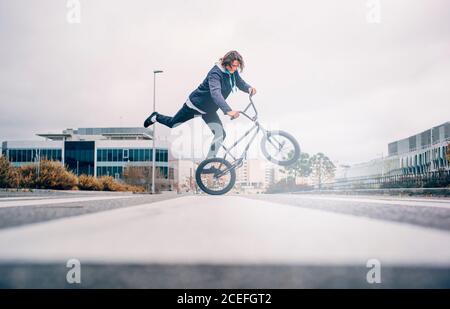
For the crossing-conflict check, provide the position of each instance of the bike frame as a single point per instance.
(256, 128)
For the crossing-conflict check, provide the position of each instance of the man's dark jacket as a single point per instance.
(216, 87)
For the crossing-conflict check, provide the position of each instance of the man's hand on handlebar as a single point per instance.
(233, 114)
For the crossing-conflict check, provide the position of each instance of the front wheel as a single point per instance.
(280, 147)
(215, 176)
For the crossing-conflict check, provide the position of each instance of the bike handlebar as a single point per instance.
(252, 104)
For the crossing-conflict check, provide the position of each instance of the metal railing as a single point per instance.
(435, 179)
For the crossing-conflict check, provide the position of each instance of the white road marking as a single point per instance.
(58, 200)
(375, 200)
(24, 198)
(224, 229)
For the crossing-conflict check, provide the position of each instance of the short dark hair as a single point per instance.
(230, 57)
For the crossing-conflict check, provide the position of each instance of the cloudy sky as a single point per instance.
(326, 71)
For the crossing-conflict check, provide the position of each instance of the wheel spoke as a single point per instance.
(280, 148)
(211, 180)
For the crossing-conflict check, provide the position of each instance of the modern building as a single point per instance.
(92, 151)
(423, 153)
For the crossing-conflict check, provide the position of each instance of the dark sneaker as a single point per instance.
(150, 120)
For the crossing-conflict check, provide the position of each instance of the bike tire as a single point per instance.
(291, 139)
(207, 190)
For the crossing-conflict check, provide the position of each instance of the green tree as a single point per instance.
(322, 169)
(301, 168)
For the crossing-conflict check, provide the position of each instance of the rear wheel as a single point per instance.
(215, 176)
(280, 147)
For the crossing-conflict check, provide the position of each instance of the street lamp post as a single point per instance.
(154, 127)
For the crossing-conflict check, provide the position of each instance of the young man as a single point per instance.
(220, 81)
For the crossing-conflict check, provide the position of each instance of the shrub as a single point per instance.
(9, 177)
(27, 176)
(109, 184)
(90, 183)
(142, 177)
(135, 189)
(52, 175)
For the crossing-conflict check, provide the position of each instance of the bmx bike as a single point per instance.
(217, 175)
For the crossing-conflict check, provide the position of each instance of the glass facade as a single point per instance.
(132, 155)
(31, 155)
(79, 157)
(412, 143)
(425, 138)
(114, 171)
(435, 134)
(164, 170)
(420, 141)
(117, 171)
(107, 156)
(393, 148)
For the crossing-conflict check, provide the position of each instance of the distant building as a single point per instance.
(421, 153)
(256, 175)
(273, 174)
(425, 152)
(183, 173)
(92, 151)
(251, 175)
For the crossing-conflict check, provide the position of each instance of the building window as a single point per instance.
(31, 155)
(109, 155)
(115, 155)
(131, 155)
(161, 155)
(142, 155)
(113, 171)
(79, 157)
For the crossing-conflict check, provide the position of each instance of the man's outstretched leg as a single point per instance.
(183, 115)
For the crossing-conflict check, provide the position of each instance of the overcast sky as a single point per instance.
(341, 83)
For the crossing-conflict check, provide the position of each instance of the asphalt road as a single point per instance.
(44, 206)
(251, 241)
